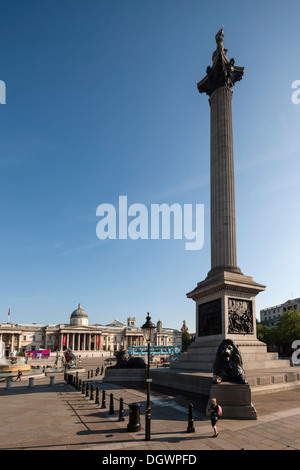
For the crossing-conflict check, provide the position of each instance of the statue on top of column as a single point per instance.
(220, 39)
(223, 72)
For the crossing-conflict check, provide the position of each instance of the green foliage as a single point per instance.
(284, 333)
(288, 328)
(266, 335)
(186, 340)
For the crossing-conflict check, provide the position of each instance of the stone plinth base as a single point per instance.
(235, 400)
(201, 356)
(188, 381)
(225, 309)
(125, 375)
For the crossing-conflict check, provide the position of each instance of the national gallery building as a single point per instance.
(82, 338)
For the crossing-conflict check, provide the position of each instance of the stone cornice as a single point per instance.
(228, 282)
(197, 294)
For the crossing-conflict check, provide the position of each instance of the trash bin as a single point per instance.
(51, 380)
(31, 382)
(134, 424)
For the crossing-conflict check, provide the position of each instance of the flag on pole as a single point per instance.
(8, 312)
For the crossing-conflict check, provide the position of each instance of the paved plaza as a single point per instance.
(59, 417)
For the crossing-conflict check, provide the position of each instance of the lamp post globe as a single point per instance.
(148, 328)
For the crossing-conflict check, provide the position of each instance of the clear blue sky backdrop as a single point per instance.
(102, 102)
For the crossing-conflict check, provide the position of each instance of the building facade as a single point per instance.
(269, 316)
(82, 338)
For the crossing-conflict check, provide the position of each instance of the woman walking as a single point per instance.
(214, 415)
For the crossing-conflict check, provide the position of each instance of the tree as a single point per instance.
(266, 334)
(186, 340)
(288, 328)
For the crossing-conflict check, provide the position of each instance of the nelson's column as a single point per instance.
(225, 300)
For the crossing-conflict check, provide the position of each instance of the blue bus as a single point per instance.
(154, 350)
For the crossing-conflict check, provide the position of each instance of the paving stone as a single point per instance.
(61, 418)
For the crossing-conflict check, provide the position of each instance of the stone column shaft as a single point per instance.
(223, 225)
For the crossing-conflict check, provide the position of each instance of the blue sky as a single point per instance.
(102, 102)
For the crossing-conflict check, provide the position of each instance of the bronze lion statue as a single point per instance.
(228, 365)
(124, 361)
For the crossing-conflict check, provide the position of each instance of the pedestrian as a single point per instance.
(19, 374)
(214, 415)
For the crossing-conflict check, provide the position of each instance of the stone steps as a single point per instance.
(253, 363)
(264, 382)
(260, 380)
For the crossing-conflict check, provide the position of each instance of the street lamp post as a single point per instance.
(148, 329)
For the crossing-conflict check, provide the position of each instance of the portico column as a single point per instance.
(12, 343)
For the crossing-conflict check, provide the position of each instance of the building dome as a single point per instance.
(79, 317)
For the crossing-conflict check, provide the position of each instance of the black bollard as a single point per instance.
(111, 405)
(88, 374)
(102, 370)
(87, 390)
(92, 373)
(121, 411)
(97, 396)
(79, 385)
(83, 387)
(190, 427)
(134, 424)
(92, 392)
(103, 399)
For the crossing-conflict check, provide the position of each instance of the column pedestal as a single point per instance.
(225, 309)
